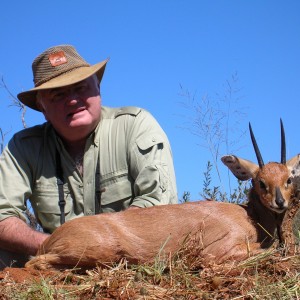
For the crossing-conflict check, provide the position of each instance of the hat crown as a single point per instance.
(56, 67)
(54, 62)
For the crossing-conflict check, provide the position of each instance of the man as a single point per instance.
(86, 159)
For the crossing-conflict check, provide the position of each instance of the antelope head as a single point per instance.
(273, 183)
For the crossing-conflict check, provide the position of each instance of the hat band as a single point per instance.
(63, 71)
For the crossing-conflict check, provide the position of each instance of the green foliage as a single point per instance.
(186, 197)
(238, 196)
(208, 192)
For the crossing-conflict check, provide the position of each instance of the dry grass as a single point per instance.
(270, 275)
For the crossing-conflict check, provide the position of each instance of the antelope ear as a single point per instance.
(241, 168)
(293, 165)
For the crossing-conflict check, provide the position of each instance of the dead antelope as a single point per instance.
(221, 231)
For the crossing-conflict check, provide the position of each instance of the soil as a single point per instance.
(21, 275)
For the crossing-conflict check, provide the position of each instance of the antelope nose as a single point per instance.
(279, 200)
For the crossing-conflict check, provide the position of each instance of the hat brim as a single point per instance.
(29, 97)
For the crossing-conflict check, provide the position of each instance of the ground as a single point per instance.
(271, 275)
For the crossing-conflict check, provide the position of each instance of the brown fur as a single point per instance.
(138, 235)
(222, 231)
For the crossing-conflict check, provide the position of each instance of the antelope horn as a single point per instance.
(257, 152)
(283, 146)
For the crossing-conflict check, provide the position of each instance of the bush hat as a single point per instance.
(56, 67)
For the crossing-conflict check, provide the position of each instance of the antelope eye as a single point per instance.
(289, 181)
(262, 185)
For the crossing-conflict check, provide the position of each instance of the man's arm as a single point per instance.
(17, 236)
(151, 163)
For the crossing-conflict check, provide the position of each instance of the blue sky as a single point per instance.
(160, 50)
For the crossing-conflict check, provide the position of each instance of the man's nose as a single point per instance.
(72, 98)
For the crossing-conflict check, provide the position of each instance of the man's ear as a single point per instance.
(39, 105)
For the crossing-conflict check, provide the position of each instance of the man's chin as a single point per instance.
(84, 124)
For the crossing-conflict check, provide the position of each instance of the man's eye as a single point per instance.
(58, 97)
(80, 88)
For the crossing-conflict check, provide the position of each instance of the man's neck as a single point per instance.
(76, 151)
(75, 148)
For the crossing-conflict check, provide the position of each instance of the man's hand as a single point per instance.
(17, 236)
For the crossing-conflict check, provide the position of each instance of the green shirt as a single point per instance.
(136, 168)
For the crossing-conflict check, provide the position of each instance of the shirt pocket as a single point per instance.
(46, 207)
(146, 142)
(118, 193)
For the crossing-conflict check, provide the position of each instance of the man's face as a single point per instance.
(74, 111)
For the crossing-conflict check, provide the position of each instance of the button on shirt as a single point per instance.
(136, 168)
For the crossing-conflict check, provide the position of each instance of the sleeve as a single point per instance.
(151, 163)
(15, 180)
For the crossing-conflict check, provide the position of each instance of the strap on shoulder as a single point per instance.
(128, 110)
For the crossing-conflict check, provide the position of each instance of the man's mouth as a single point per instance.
(74, 112)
